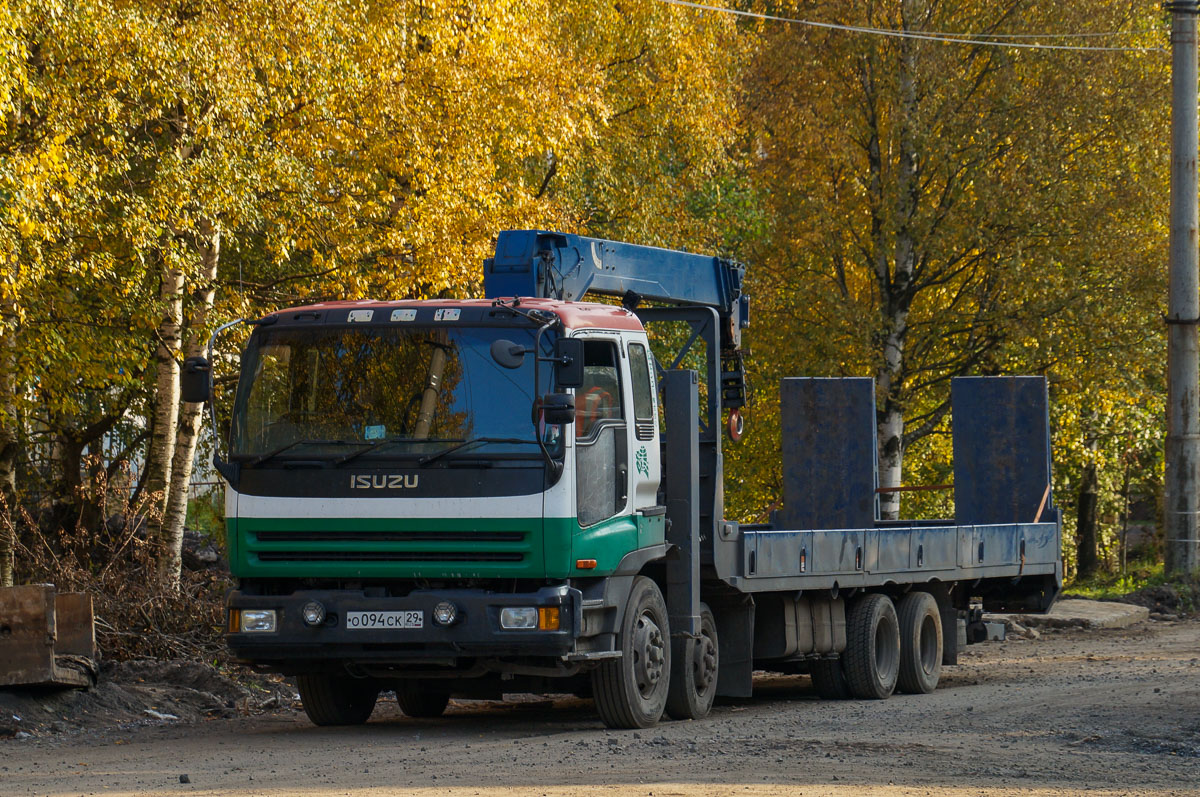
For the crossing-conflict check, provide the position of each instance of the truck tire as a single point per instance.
(872, 657)
(337, 699)
(631, 692)
(694, 667)
(420, 701)
(829, 679)
(920, 643)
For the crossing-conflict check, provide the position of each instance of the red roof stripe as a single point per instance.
(575, 315)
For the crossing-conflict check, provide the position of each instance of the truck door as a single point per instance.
(645, 455)
(601, 439)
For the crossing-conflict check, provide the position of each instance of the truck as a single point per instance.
(525, 493)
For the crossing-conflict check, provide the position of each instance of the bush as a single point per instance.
(138, 613)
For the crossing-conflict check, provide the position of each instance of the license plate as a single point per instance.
(385, 620)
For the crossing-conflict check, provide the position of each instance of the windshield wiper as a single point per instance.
(372, 447)
(425, 460)
(261, 458)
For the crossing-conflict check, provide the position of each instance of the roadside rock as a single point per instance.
(1015, 629)
(201, 553)
(1077, 613)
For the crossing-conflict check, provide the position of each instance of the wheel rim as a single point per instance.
(928, 645)
(704, 662)
(649, 655)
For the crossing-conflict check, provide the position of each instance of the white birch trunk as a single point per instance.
(899, 293)
(166, 395)
(891, 462)
(191, 415)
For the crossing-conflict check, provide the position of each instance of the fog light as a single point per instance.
(313, 613)
(445, 613)
(513, 618)
(258, 621)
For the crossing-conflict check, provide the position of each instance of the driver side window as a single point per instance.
(599, 397)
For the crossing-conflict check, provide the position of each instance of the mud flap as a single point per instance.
(735, 638)
(950, 638)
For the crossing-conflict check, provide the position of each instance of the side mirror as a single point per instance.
(195, 382)
(508, 354)
(568, 371)
(558, 408)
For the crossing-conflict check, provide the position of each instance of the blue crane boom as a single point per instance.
(561, 266)
(554, 265)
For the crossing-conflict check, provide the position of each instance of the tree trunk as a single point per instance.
(8, 463)
(896, 288)
(191, 415)
(8, 439)
(1086, 558)
(67, 487)
(166, 395)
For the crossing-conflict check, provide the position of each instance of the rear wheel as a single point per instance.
(337, 699)
(872, 648)
(631, 692)
(418, 701)
(829, 679)
(920, 643)
(695, 664)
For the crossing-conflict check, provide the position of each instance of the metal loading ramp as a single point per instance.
(828, 534)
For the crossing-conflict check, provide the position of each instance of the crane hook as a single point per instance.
(736, 425)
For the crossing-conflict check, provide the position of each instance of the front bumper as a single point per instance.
(297, 647)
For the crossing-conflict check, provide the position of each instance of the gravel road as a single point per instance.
(1095, 712)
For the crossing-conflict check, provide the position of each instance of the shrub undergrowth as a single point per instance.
(139, 613)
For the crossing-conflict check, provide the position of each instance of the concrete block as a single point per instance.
(1078, 613)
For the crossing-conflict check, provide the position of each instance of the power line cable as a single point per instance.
(1089, 35)
(948, 38)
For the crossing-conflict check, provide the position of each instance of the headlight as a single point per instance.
(313, 613)
(513, 618)
(258, 621)
(445, 613)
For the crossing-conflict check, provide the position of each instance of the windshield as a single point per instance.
(385, 392)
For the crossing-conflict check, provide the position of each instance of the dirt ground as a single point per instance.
(1074, 712)
(140, 693)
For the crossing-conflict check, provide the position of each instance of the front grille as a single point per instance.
(419, 547)
(390, 536)
(389, 556)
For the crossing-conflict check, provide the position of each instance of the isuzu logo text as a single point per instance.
(394, 481)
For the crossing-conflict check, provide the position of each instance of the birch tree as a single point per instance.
(918, 187)
(170, 167)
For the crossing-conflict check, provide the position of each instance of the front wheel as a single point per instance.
(337, 699)
(631, 692)
(420, 702)
(695, 665)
